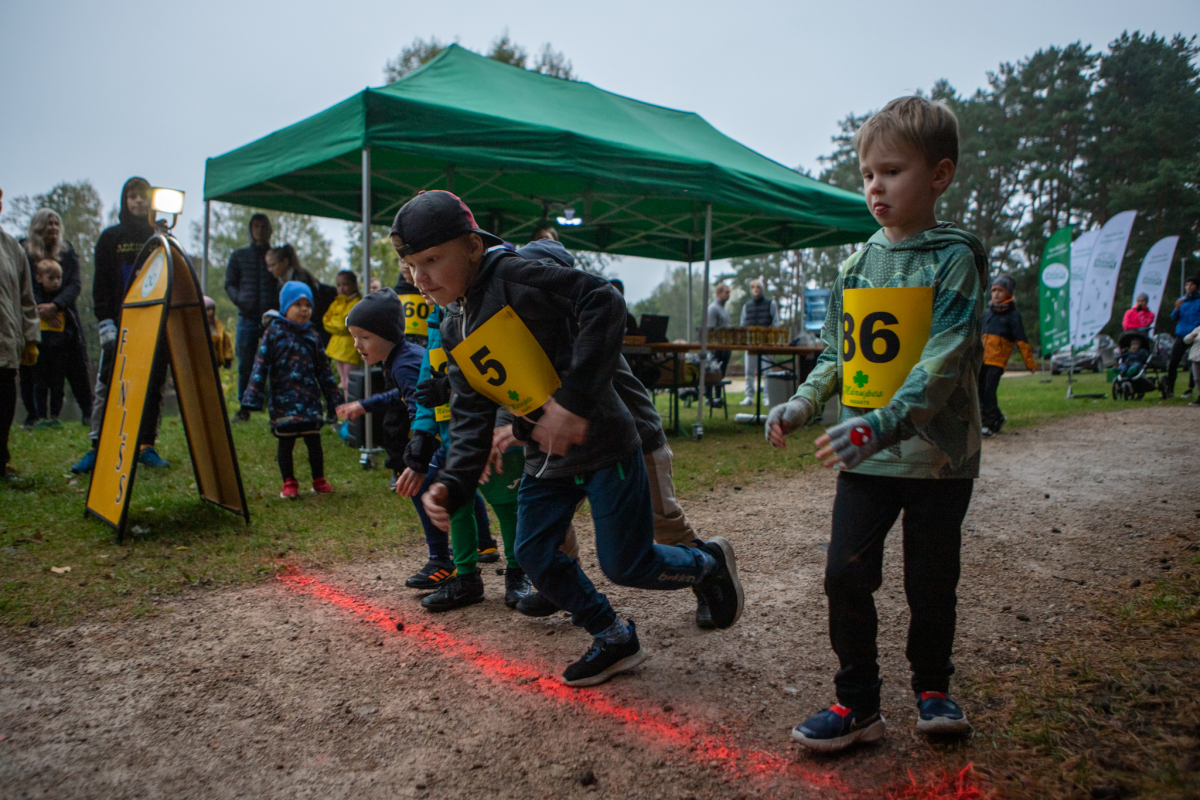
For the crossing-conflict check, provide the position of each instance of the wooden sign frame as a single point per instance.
(163, 317)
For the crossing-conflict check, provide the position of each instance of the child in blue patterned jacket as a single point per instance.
(291, 355)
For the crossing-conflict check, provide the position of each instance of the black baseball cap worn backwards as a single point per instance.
(433, 218)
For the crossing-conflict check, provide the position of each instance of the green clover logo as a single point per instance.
(861, 378)
(513, 396)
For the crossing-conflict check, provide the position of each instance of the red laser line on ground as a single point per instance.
(656, 726)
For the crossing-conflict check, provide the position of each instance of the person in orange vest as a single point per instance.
(1002, 328)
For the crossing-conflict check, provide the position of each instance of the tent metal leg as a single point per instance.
(698, 428)
(689, 304)
(368, 450)
(204, 261)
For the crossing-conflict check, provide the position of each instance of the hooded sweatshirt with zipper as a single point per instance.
(578, 321)
(248, 282)
(116, 251)
(931, 427)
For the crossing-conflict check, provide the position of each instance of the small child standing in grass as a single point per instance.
(903, 348)
(291, 356)
(341, 344)
(222, 342)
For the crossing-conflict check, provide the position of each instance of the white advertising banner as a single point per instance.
(1081, 254)
(1152, 279)
(1100, 283)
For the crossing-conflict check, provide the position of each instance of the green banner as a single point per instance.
(1054, 295)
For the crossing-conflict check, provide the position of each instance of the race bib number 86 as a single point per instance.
(503, 361)
(884, 332)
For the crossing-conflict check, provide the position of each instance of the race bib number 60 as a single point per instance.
(884, 332)
(503, 361)
(416, 314)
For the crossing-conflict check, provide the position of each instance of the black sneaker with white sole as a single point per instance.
(457, 592)
(838, 727)
(722, 591)
(938, 714)
(603, 660)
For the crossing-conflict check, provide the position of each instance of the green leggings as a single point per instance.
(501, 494)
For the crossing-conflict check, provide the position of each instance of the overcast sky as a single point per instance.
(105, 90)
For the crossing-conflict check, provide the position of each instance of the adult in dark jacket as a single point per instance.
(763, 312)
(254, 291)
(44, 239)
(1187, 317)
(115, 256)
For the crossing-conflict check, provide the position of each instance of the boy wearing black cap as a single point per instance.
(544, 341)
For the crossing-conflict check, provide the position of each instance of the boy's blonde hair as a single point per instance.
(48, 267)
(928, 126)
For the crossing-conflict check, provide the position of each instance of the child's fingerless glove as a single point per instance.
(854, 441)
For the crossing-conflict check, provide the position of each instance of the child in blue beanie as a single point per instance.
(291, 354)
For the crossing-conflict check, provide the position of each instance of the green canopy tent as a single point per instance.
(622, 176)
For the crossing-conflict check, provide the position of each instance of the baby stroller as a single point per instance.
(1141, 370)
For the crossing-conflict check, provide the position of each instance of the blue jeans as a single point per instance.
(624, 519)
(437, 539)
(249, 331)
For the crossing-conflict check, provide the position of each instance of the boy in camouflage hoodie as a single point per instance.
(903, 349)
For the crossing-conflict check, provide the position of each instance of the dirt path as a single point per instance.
(305, 688)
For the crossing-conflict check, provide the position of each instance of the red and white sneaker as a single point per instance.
(321, 486)
(291, 489)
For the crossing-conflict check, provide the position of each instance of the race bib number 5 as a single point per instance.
(884, 332)
(504, 362)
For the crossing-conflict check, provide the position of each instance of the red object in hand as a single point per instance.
(860, 435)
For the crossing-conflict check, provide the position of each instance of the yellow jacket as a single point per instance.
(341, 343)
(222, 345)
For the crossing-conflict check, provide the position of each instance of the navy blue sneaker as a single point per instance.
(838, 727)
(603, 660)
(151, 458)
(85, 464)
(938, 714)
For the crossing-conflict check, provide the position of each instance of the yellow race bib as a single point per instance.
(504, 363)
(58, 326)
(884, 332)
(437, 357)
(416, 314)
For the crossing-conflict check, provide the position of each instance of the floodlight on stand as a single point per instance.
(569, 218)
(167, 201)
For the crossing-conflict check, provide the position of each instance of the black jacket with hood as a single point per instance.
(248, 282)
(631, 391)
(579, 321)
(116, 251)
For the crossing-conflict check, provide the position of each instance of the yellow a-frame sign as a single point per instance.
(164, 297)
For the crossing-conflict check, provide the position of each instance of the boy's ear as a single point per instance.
(475, 247)
(943, 175)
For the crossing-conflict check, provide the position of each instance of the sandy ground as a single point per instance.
(305, 688)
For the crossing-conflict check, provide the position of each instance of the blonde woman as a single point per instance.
(43, 240)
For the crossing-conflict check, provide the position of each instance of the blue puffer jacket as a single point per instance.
(299, 373)
(1187, 316)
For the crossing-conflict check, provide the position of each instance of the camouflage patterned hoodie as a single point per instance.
(931, 427)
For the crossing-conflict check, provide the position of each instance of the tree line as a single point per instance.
(1067, 136)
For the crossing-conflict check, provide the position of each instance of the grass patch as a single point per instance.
(183, 542)
(1037, 399)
